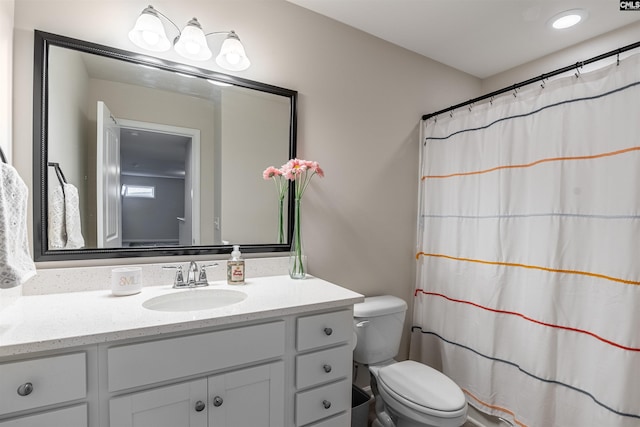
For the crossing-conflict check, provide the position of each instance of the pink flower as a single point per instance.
(294, 168)
(282, 183)
(315, 167)
(300, 171)
(271, 172)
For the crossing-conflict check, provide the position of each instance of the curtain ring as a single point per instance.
(577, 73)
(470, 106)
(618, 58)
(542, 85)
(491, 100)
(515, 91)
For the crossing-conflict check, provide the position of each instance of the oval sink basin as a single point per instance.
(194, 300)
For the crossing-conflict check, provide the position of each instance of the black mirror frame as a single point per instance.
(42, 42)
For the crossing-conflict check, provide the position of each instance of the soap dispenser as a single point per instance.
(235, 267)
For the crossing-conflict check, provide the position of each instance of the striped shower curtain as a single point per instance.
(528, 255)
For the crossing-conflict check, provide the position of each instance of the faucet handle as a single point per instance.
(179, 278)
(203, 272)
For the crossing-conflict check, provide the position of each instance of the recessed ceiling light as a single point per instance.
(568, 18)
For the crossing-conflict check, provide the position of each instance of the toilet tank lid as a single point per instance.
(379, 306)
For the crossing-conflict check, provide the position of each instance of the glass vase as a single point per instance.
(281, 222)
(297, 258)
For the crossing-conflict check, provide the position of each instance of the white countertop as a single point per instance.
(56, 321)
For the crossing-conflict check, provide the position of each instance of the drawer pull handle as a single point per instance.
(327, 368)
(217, 401)
(200, 406)
(328, 331)
(326, 404)
(25, 389)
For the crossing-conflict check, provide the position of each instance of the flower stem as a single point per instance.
(281, 221)
(297, 263)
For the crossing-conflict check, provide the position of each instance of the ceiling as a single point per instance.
(479, 37)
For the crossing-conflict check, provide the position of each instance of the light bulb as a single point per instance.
(191, 47)
(232, 58)
(150, 37)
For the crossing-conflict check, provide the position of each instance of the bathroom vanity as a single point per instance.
(280, 357)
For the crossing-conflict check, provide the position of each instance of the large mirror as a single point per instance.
(136, 156)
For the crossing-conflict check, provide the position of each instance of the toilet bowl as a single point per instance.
(408, 393)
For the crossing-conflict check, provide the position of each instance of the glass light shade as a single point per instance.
(192, 43)
(232, 55)
(148, 33)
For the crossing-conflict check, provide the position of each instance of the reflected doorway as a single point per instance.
(159, 185)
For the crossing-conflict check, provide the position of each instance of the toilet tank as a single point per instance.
(378, 323)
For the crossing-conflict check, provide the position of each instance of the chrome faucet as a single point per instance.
(195, 276)
(192, 272)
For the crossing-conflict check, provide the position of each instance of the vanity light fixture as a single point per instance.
(149, 33)
(568, 18)
(217, 83)
(186, 76)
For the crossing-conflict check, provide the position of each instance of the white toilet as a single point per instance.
(408, 394)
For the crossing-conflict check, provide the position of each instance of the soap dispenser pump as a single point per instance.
(235, 267)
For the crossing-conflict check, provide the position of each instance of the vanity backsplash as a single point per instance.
(81, 279)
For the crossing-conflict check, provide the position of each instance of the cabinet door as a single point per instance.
(248, 397)
(177, 405)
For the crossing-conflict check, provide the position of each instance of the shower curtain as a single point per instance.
(528, 251)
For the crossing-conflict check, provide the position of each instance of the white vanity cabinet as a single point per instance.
(41, 386)
(281, 358)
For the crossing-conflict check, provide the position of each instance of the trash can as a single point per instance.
(359, 407)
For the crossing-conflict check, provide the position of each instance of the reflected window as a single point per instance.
(139, 191)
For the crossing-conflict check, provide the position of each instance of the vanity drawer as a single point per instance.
(341, 420)
(53, 380)
(322, 402)
(324, 329)
(323, 366)
(75, 416)
(146, 363)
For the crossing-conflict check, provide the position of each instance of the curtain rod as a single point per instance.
(534, 79)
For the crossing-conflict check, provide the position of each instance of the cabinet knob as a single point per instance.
(217, 401)
(25, 389)
(200, 406)
(327, 368)
(328, 331)
(326, 404)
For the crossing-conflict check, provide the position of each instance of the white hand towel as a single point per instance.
(65, 231)
(16, 265)
(72, 217)
(56, 227)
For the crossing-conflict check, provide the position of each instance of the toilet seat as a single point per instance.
(422, 388)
